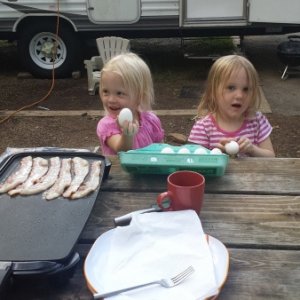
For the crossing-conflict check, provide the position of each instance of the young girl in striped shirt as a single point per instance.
(228, 110)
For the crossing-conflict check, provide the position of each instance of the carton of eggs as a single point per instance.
(125, 115)
(232, 148)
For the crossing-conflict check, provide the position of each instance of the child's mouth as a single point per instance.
(114, 108)
(236, 105)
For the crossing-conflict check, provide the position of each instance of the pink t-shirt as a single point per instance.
(207, 133)
(150, 131)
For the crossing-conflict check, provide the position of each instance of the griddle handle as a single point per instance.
(293, 36)
(6, 269)
(107, 168)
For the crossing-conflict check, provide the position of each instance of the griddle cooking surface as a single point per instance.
(33, 228)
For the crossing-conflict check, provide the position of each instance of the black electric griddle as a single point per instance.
(37, 235)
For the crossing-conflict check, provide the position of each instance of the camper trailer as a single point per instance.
(33, 24)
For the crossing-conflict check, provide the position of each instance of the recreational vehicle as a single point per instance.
(33, 24)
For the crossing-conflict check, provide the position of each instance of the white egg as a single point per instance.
(200, 150)
(125, 115)
(167, 150)
(184, 151)
(232, 148)
(216, 151)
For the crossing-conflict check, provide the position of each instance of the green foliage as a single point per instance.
(209, 46)
(6, 44)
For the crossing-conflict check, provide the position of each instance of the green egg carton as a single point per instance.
(151, 160)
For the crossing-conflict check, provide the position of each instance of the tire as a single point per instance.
(35, 47)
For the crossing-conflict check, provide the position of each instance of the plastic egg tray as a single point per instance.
(151, 160)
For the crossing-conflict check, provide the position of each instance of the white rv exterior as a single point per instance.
(33, 24)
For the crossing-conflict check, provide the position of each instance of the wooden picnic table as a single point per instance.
(254, 209)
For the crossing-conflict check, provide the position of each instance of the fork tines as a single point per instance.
(183, 275)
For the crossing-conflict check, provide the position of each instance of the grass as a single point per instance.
(6, 44)
(210, 46)
(166, 57)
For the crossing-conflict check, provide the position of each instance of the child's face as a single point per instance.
(234, 99)
(113, 94)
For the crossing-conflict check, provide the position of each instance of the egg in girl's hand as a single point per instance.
(232, 148)
(167, 150)
(200, 150)
(215, 151)
(125, 115)
(184, 151)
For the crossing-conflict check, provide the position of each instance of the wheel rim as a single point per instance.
(42, 47)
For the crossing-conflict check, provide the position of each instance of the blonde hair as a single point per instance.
(136, 77)
(219, 75)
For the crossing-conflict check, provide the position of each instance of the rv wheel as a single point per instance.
(41, 51)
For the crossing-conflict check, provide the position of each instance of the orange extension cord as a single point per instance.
(53, 74)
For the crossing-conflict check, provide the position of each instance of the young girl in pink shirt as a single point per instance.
(228, 110)
(126, 82)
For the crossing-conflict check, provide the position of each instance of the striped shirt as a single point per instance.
(207, 133)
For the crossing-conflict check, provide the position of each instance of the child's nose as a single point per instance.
(111, 98)
(239, 93)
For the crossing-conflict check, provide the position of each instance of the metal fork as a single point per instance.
(165, 282)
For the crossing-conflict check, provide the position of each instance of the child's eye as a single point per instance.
(231, 87)
(120, 94)
(246, 89)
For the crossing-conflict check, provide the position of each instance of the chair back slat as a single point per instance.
(110, 46)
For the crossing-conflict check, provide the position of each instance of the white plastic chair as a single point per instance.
(93, 67)
(108, 47)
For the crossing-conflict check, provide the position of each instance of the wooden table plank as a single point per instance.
(253, 274)
(274, 176)
(262, 274)
(251, 221)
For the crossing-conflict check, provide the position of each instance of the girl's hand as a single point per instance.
(130, 128)
(264, 149)
(124, 140)
(223, 142)
(245, 145)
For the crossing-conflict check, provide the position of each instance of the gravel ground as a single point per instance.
(178, 84)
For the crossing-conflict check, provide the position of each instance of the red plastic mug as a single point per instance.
(185, 191)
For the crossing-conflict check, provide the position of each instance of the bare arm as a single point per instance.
(264, 149)
(123, 141)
